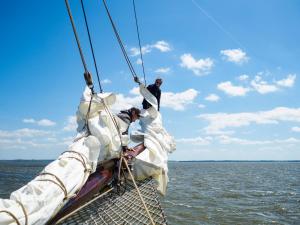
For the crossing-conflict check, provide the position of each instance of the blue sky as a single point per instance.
(230, 71)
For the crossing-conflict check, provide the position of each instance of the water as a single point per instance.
(208, 192)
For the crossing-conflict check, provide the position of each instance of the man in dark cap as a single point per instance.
(129, 116)
(155, 90)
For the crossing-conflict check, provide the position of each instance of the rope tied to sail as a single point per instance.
(57, 181)
(12, 215)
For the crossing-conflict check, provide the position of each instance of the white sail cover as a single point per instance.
(153, 161)
(44, 196)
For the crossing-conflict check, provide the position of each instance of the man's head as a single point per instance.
(135, 114)
(158, 82)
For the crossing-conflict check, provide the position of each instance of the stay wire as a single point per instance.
(91, 45)
(120, 41)
(138, 34)
(76, 36)
(83, 62)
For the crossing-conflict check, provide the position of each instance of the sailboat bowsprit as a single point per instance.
(102, 202)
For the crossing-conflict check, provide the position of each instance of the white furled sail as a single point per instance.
(41, 198)
(153, 161)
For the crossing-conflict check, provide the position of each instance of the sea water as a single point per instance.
(208, 192)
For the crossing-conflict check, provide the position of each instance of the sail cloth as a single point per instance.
(153, 161)
(46, 194)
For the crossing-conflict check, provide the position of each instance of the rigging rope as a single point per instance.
(138, 190)
(138, 34)
(76, 36)
(120, 41)
(91, 45)
(87, 75)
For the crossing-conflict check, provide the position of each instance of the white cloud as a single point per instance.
(136, 51)
(71, 124)
(201, 106)
(235, 55)
(139, 61)
(296, 129)
(106, 81)
(28, 120)
(126, 102)
(233, 140)
(243, 77)
(195, 141)
(162, 46)
(220, 121)
(24, 132)
(45, 122)
(229, 140)
(262, 86)
(163, 70)
(212, 98)
(178, 101)
(287, 82)
(42, 122)
(199, 67)
(20, 144)
(232, 90)
(135, 91)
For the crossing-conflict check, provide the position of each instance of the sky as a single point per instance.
(230, 71)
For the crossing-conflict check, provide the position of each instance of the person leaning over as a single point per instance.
(129, 116)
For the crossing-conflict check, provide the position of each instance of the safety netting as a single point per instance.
(121, 206)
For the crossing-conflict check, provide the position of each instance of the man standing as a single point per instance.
(155, 90)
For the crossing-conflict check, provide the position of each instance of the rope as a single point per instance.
(133, 73)
(24, 211)
(88, 114)
(81, 156)
(91, 45)
(114, 121)
(138, 34)
(86, 72)
(12, 215)
(138, 191)
(58, 182)
(76, 36)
